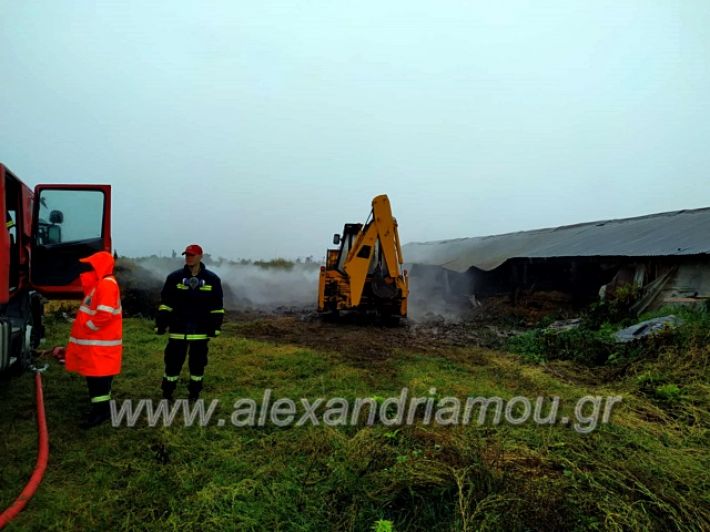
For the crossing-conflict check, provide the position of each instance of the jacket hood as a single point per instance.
(102, 263)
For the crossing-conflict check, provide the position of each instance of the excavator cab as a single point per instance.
(346, 241)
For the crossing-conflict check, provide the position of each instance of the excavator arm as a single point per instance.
(381, 226)
(358, 262)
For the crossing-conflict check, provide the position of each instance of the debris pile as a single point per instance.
(140, 289)
(647, 328)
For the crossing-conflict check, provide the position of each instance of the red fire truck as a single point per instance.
(45, 233)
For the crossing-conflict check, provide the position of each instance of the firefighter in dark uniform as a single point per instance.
(191, 309)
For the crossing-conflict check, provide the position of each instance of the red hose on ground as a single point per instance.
(42, 457)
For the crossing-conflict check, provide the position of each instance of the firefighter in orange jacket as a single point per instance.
(95, 343)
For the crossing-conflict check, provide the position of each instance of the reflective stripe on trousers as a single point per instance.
(100, 343)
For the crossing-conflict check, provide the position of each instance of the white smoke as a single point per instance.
(249, 286)
(436, 293)
(269, 288)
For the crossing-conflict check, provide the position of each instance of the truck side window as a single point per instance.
(11, 225)
(70, 216)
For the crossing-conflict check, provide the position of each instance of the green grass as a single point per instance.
(647, 469)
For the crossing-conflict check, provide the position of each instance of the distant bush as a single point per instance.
(281, 264)
(210, 261)
(616, 309)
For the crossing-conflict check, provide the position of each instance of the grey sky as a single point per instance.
(258, 128)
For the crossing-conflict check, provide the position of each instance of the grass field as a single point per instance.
(646, 469)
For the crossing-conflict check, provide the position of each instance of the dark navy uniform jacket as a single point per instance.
(191, 307)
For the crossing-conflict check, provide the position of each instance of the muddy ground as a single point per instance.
(361, 338)
(370, 344)
(488, 325)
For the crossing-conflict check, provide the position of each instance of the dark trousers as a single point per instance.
(175, 353)
(99, 391)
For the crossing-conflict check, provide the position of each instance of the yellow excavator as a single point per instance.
(364, 273)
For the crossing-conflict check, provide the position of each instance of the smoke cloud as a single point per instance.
(275, 286)
(265, 286)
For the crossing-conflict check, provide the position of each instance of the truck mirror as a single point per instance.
(56, 217)
(336, 239)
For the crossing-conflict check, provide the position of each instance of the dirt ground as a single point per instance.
(367, 343)
(490, 326)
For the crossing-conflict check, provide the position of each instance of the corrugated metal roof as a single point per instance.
(670, 233)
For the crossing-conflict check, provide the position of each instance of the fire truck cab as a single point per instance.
(45, 232)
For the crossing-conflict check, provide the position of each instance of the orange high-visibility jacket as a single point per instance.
(95, 344)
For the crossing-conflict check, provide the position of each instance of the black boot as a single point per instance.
(100, 412)
(168, 388)
(194, 388)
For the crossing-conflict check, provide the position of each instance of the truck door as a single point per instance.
(68, 222)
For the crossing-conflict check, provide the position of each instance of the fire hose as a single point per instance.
(42, 457)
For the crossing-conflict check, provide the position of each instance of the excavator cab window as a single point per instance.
(350, 232)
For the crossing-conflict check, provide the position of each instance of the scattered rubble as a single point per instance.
(647, 328)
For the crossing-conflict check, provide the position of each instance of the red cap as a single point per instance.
(193, 249)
